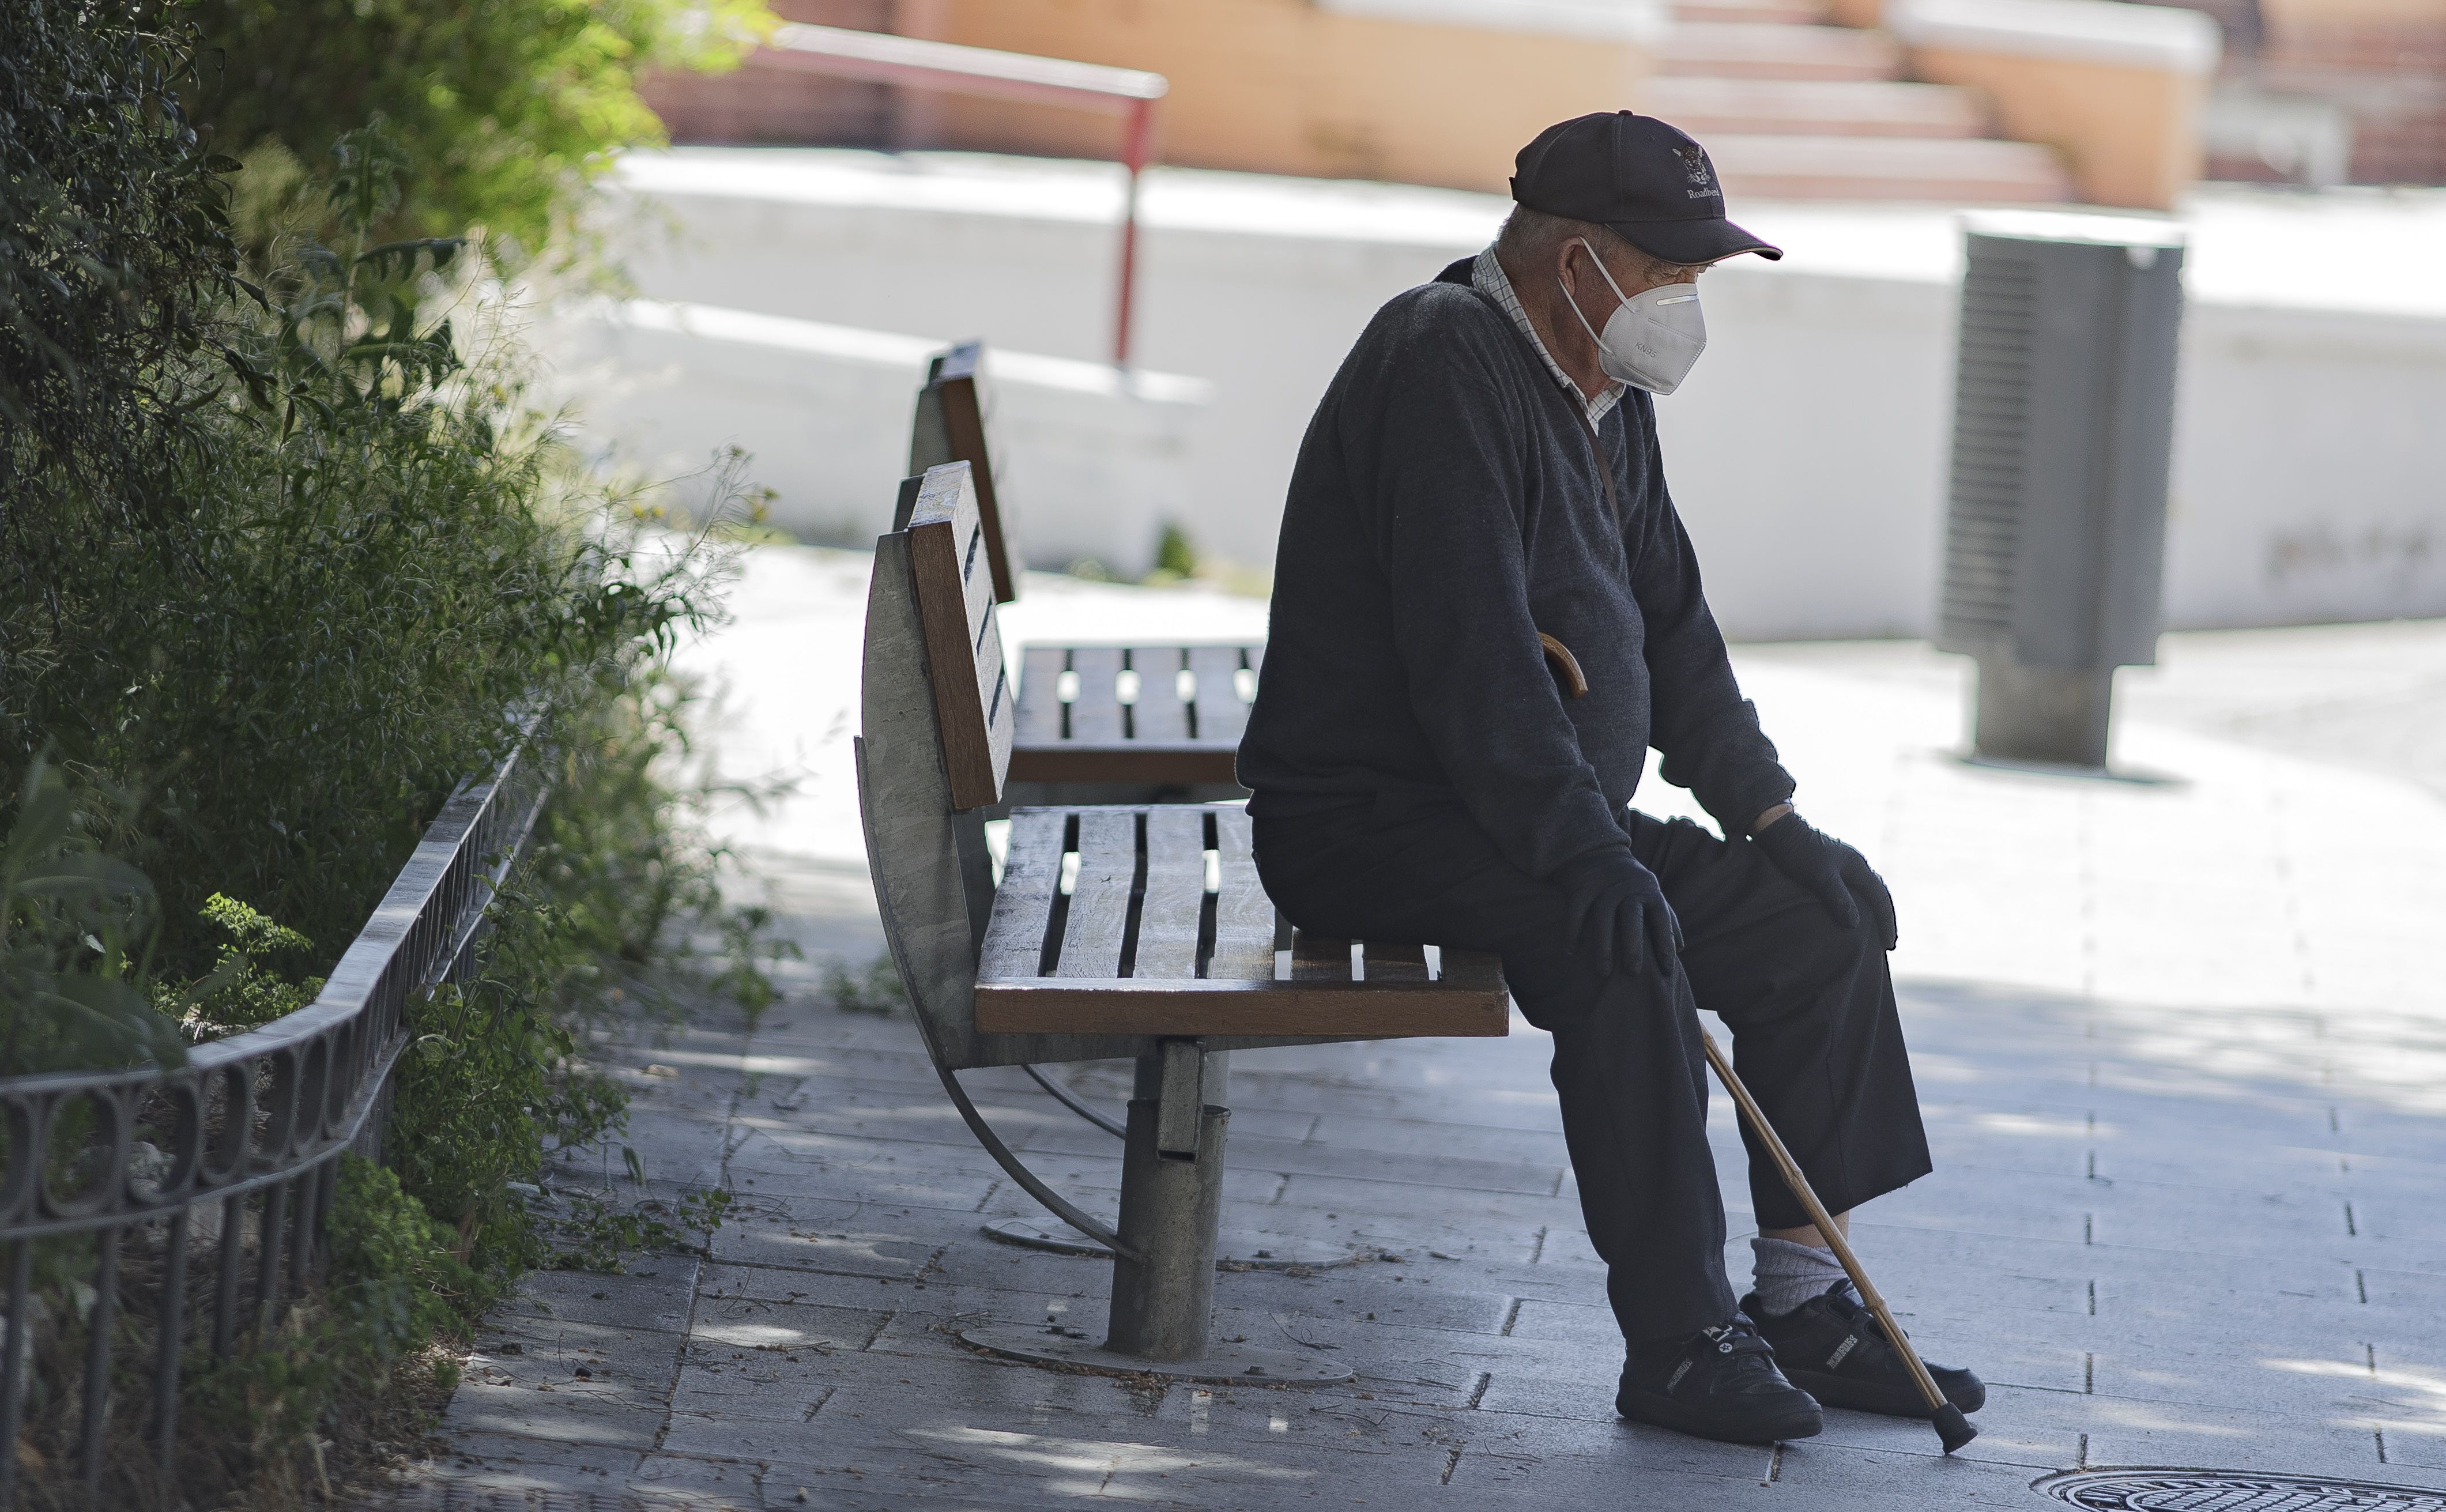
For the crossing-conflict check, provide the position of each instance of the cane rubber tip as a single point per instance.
(1952, 1429)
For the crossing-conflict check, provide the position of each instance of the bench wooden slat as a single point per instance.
(1176, 894)
(1095, 713)
(1153, 744)
(1244, 916)
(1319, 958)
(1393, 963)
(1240, 995)
(950, 427)
(1472, 971)
(963, 643)
(1345, 1010)
(1131, 762)
(995, 692)
(1038, 715)
(1221, 715)
(1099, 898)
(1160, 715)
(1023, 907)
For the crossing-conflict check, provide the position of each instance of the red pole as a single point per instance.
(1135, 149)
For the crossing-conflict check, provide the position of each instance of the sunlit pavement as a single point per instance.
(2181, 1036)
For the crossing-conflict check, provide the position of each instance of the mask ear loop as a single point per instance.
(1583, 243)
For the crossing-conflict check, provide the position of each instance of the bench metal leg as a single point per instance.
(1172, 1199)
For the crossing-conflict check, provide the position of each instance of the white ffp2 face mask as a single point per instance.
(1652, 339)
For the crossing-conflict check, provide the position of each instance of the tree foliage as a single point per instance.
(286, 557)
(502, 108)
(115, 261)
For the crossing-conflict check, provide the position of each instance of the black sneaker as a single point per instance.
(1834, 1349)
(1720, 1383)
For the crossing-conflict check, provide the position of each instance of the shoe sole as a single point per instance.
(1889, 1401)
(1799, 1422)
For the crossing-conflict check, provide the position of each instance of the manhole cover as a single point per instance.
(2147, 1490)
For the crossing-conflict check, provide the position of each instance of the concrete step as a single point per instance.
(1707, 108)
(1785, 12)
(1765, 51)
(1829, 168)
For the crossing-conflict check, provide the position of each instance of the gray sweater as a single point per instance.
(1445, 508)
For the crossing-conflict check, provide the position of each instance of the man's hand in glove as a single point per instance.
(1619, 912)
(1828, 869)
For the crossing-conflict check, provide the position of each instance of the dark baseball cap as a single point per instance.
(1636, 175)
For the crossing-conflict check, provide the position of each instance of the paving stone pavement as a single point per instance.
(2180, 1039)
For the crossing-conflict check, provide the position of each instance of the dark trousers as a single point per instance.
(1810, 1004)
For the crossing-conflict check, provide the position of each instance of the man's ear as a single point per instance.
(1566, 263)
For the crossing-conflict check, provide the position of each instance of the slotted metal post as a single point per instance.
(2062, 436)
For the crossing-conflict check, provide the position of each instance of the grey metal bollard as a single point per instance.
(1172, 1200)
(2063, 437)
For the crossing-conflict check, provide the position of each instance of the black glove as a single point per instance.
(1830, 871)
(1618, 909)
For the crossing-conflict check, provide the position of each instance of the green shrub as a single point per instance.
(115, 263)
(250, 993)
(375, 574)
(285, 559)
(504, 109)
(74, 926)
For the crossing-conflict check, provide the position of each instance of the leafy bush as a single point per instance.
(375, 572)
(76, 937)
(503, 108)
(115, 262)
(286, 557)
(250, 991)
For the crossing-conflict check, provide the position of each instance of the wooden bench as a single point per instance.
(1137, 932)
(1093, 723)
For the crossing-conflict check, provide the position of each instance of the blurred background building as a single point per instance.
(1817, 92)
(1319, 156)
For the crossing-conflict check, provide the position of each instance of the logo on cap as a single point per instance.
(1696, 165)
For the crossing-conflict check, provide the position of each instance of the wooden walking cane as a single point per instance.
(1952, 1429)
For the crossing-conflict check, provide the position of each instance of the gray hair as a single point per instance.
(1531, 236)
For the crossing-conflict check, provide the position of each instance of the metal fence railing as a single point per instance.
(207, 1186)
(914, 62)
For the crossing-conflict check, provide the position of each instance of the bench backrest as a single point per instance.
(955, 608)
(934, 745)
(950, 427)
(933, 748)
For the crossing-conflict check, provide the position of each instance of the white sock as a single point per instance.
(1789, 1274)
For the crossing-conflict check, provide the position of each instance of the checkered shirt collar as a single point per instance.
(1486, 274)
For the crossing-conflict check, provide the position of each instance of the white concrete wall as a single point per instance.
(1094, 462)
(2309, 468)
(1807, 452)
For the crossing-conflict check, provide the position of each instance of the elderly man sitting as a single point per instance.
(1485, 612)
